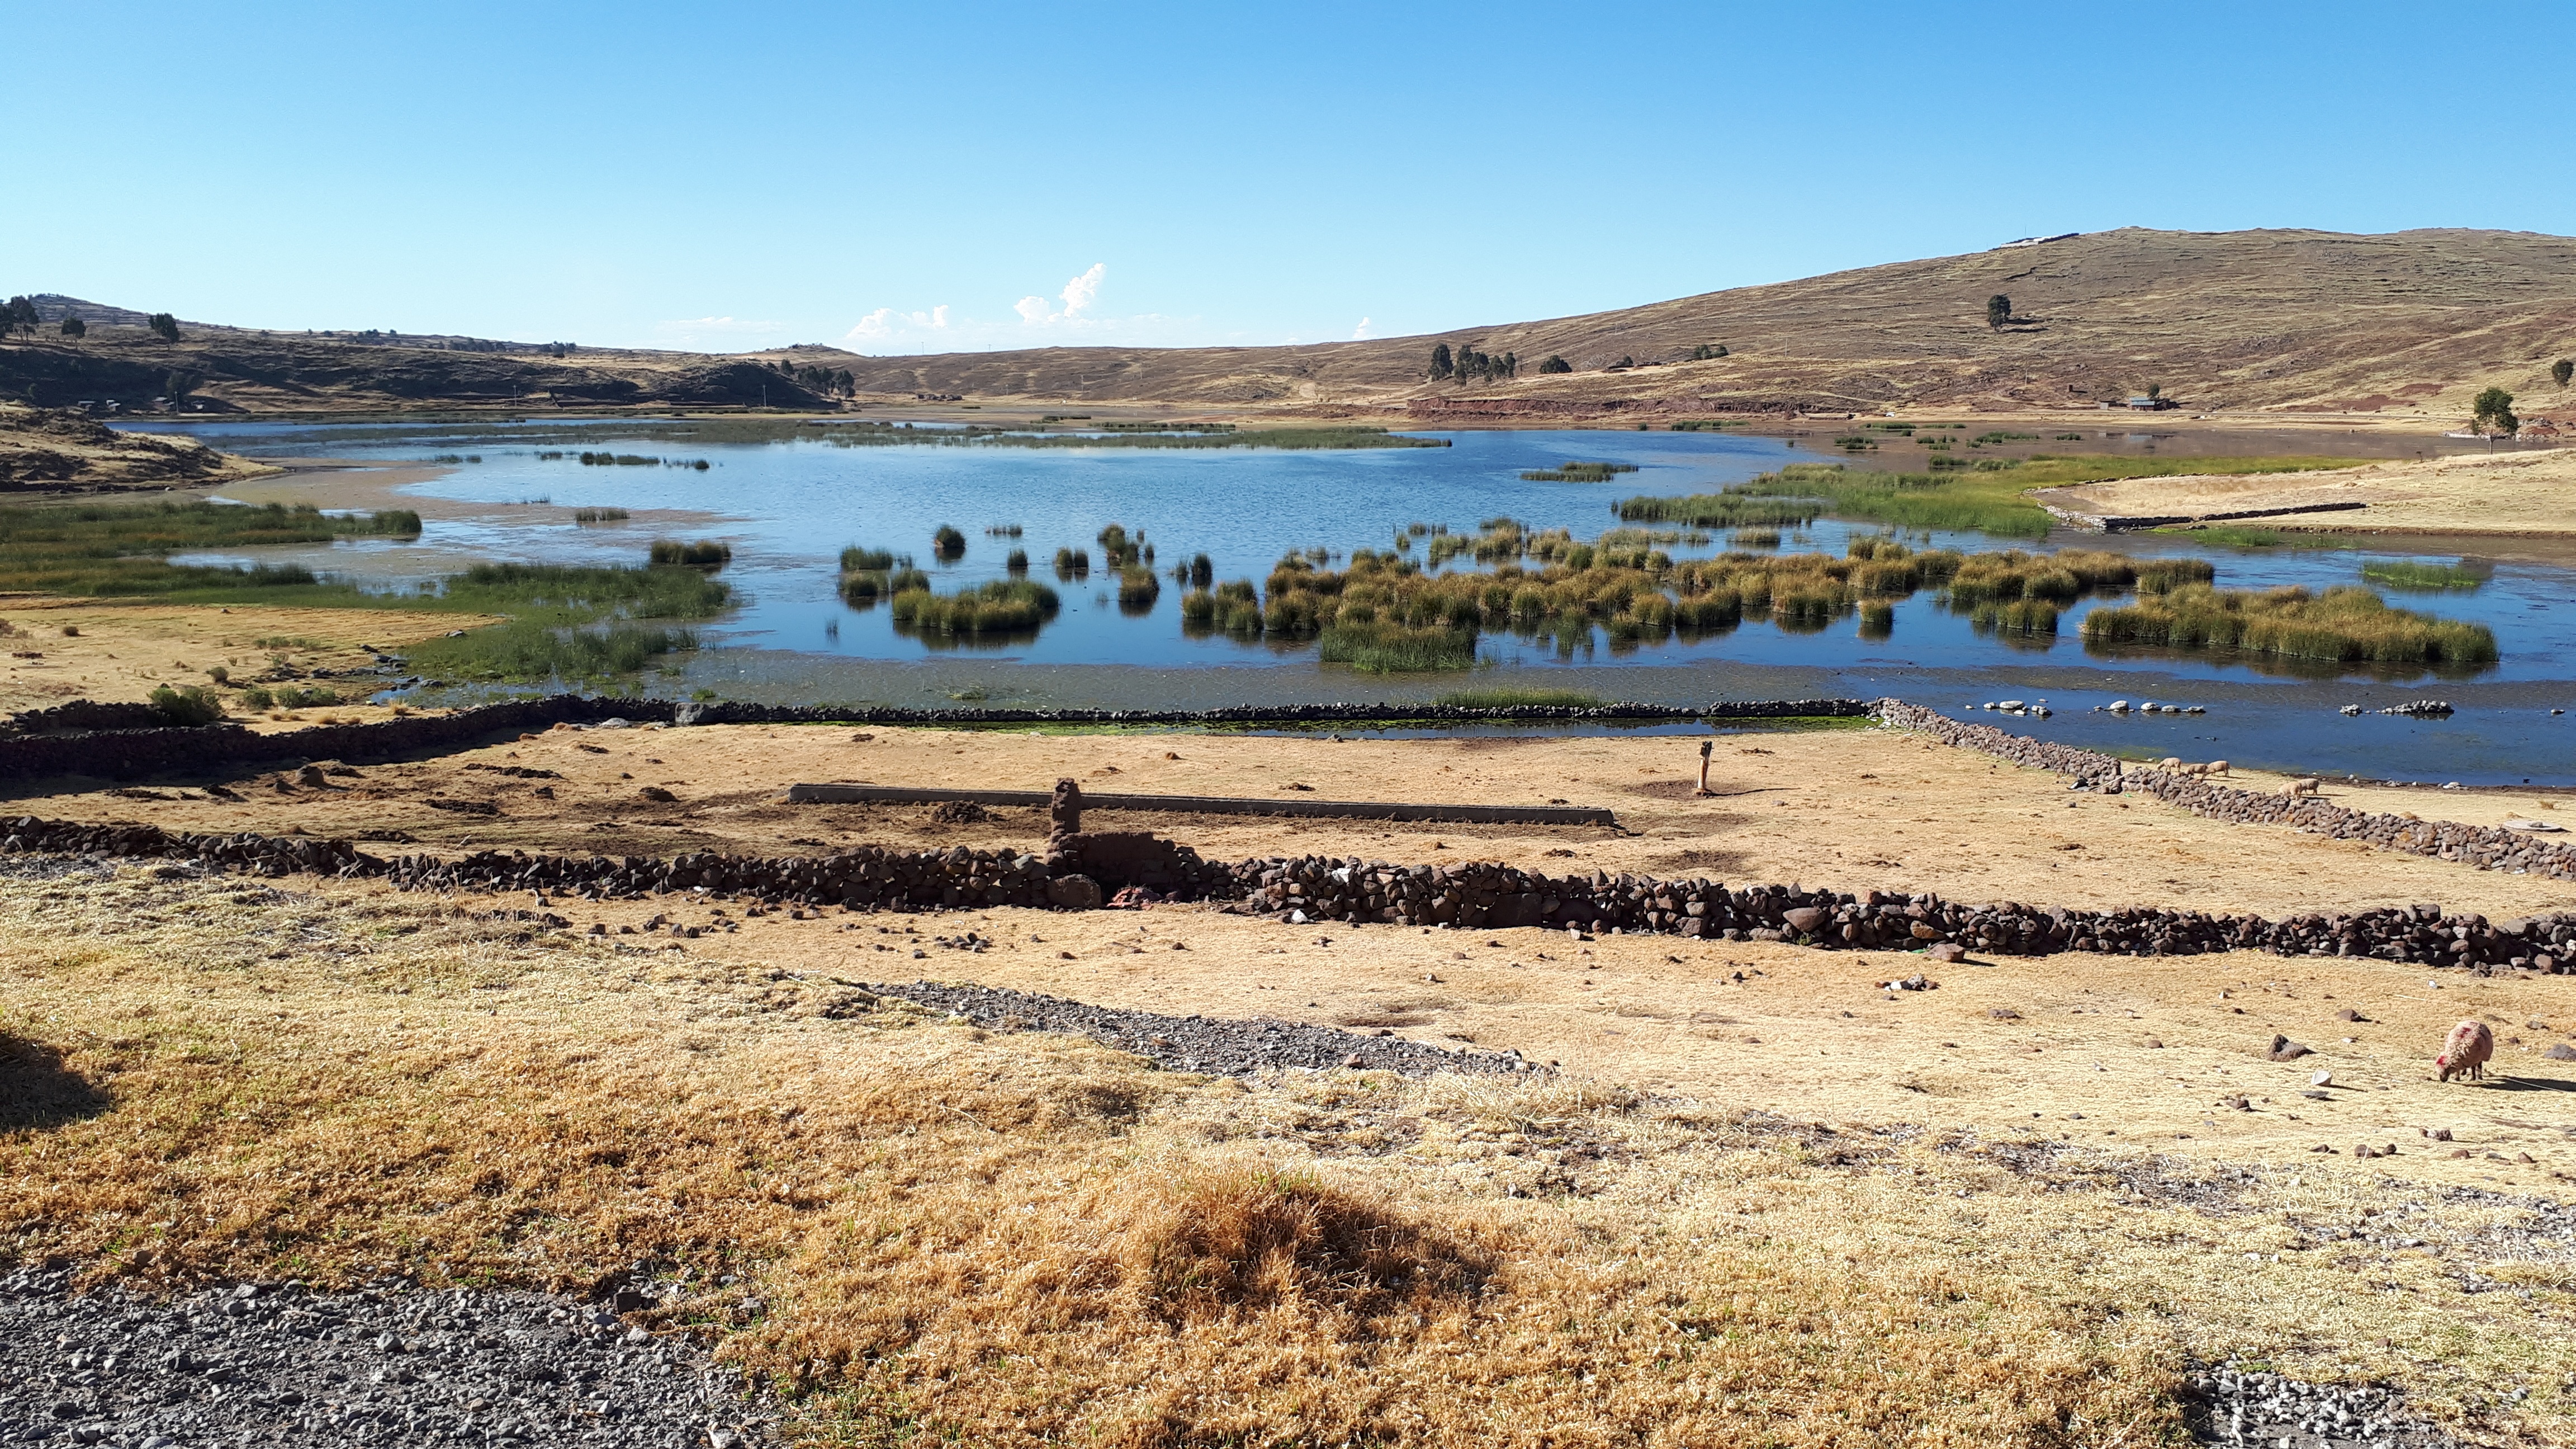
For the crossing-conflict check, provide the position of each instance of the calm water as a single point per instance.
(788, 508)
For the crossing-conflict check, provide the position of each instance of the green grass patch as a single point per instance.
(575, 624)
(2427, 578)
(1986, 498)
(2237, 535)
(1578, 473)
(2349, 624)
(108, 550)
(1511, 696)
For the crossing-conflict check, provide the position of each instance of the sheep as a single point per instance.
(2214, 767)
(2170, 762)
(2308, 786)
(2467, 1051)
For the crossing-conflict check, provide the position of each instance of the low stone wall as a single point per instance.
(1488, 896)
(130, 754)
(2487, 847)
(1479, 896)
(88, 714)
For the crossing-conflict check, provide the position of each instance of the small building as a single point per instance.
(2152, 404)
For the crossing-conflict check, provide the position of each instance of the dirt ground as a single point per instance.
(1852, 809)
(62, 649)
(2509, 493)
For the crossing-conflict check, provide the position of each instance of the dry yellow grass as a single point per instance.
(120, 651)
(1013, 1239)
(2512, 493)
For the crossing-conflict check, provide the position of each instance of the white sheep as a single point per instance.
(2308, 786)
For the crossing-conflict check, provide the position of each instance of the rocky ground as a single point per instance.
(282, 1365)
(2232, 1405)
(1215, 1045)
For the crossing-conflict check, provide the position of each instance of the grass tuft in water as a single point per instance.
(2427, 578)
(2348, 624)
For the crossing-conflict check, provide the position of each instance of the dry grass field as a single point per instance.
(1762, 1198)
(64, 649)
(2511, 493)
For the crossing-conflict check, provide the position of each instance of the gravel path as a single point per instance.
(1219, 1046)
(2231, 1406)
(282, 1366)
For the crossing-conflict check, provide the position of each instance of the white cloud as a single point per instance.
(1360, 333)
(886, 322)
(1080, 292)
(1077, 296)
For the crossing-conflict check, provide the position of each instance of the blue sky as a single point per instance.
(933, 177)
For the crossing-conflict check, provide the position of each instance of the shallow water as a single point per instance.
(788, 508)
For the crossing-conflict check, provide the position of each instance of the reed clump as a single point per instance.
(2347, 624)
(706, 554)
(1001, 606)
(1233, 607)
(587, 517)
(1072, 563)
(947, 543)
(869, 576)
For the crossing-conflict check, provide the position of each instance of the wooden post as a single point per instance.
(1704, 747)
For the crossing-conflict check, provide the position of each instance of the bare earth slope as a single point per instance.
(2293, 320)
(58, 450)
(2408, 324)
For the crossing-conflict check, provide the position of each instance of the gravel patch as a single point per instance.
(1218, 1046)
(2229, 1405)
(285, 1366)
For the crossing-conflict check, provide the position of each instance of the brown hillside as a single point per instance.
(2284, 320)
(2408, 325)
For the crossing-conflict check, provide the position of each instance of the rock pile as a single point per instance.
(2488, 847)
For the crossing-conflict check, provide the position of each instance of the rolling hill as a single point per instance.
(2407, 324)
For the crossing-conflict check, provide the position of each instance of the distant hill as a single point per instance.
(2409, 323)
(2286, 320)
(216, 368)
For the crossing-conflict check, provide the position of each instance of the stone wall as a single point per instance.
(1315, 888)
(128, 754)
(2487, 847)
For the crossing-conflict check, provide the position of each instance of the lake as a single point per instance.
(787, 509)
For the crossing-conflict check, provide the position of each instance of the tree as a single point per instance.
(1998, 311)
(1706, 353)
(2155, 390)
(18, 314)
(2561, 370)
(1624, 361)
(1555, 363)
(2492, 412)
(73, 327)
(164, 326)
(179, 384)
(1441, 366)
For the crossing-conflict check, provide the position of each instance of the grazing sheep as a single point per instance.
(2308, 786)
(2170, 762)
(2467, 1051)
(2214, 767)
